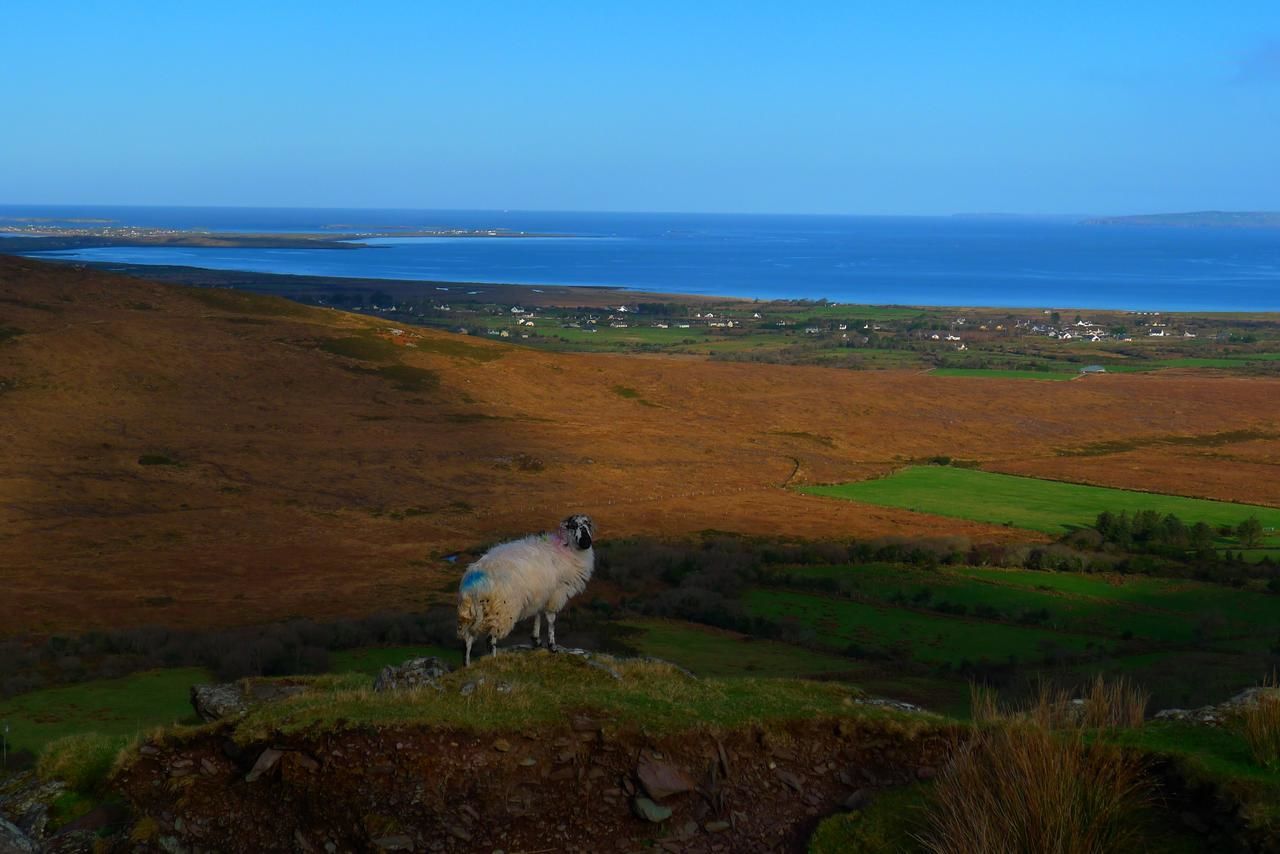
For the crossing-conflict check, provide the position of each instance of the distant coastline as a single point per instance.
(44, 234)
(1194, 219)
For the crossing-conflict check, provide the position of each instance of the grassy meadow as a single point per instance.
(1051, 507)
(117, 708)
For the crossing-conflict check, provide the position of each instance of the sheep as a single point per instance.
(524, 578)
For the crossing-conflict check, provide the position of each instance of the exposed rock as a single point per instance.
(649, 811)
(859, 800)
(662, 780)
(25, 800)
(266, 761)
(1219, 714)
(14, 841)
(882, 703)
(215, 702)
(414, 673)
(793, 781)
(717, 826)
(502, 745)
(394, 843)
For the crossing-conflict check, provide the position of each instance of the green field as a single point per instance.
(992, 373)
(712, 652)
(925, 637)
(121, 708)
(924, 590)
(1049, 506)
(133, 704)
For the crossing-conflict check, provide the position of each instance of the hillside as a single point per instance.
(200, 457)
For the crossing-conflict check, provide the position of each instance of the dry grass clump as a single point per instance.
(1024, 788)
(1103, 704)
(1260, 725)
(1115, 703)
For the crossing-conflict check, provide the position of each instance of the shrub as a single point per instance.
(1025, 788)
(1260, 725)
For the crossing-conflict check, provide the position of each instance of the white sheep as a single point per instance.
(525, 578)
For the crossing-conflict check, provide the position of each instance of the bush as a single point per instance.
(1025, 788)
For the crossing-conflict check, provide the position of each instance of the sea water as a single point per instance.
(961, 261)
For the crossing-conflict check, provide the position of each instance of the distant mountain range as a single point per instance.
(1195, 219)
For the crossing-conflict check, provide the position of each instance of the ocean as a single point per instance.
(961, 261)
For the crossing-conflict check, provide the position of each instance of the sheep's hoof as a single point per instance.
(535, 642)
(552, 647)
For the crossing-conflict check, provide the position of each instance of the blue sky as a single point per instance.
(840, 107)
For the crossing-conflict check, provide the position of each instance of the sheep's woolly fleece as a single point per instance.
(525, 578)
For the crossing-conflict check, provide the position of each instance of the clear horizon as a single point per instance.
(829, 109)
(850, 214)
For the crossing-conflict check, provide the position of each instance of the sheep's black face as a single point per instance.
(580, 530)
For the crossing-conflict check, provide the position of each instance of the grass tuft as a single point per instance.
(1103, 704)
(1023, 788)
(1260, 725)
(1113, 704)
(82, 761)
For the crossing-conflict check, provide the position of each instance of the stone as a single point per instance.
(215, 702)
(791, 780)
(649, 811)
(502, 745)
(716, 826)
(859, 800)
(414, 673)
(662, 779)
(394, 843)
(469, 688)
(266, 761)
(14, 841)
(528, 762)
(582, 723)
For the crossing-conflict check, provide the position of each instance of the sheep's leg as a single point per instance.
(551, 630)
(493, 645)
(537, 629)
(468, 638)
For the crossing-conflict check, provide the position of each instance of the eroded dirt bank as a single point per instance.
(581, 787)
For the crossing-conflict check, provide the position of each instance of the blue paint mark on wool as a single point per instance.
(472, 579)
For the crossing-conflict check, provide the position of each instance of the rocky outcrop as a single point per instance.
(230, 700)
(412, 674)
(25, 801)
(14, 841)
(1220, 714)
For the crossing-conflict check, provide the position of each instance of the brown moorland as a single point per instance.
(200, 457)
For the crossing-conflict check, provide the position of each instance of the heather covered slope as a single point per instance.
(203, 457)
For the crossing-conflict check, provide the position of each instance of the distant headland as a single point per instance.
(1195, 219)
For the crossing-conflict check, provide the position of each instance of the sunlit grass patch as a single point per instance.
(1050, 506)
(532, 689)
